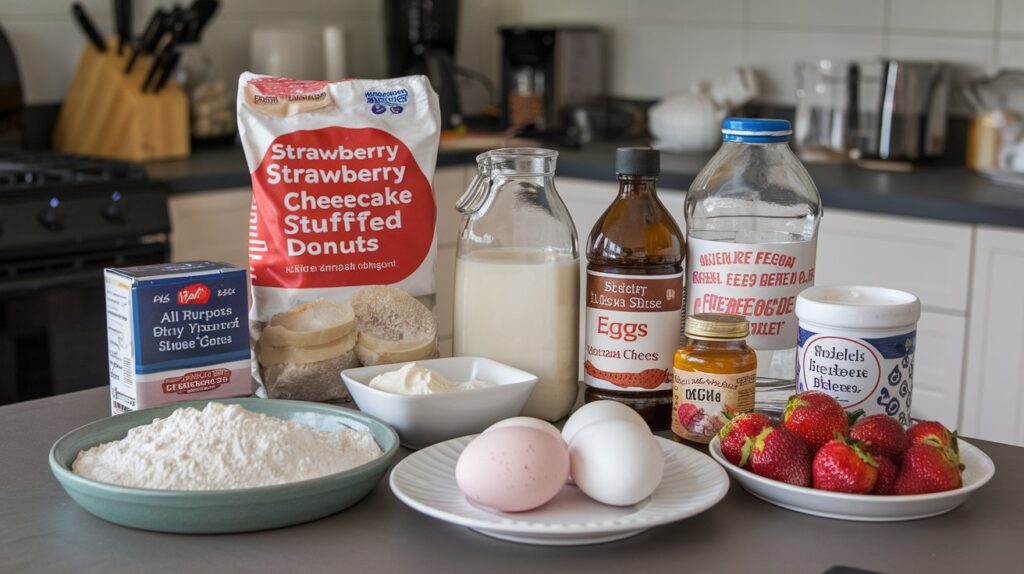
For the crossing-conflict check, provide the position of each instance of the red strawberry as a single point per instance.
(928, 468)
(844, 465)
(887, 473)
(883, 435)
(924, 430)
(735, 432)
(778, 454)
(815, 417)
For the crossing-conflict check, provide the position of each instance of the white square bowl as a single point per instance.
(423, 420)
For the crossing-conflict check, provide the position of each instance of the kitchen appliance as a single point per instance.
(420, 39)
(62, 220)
(892, 110)
(546, 70)
(302, 51)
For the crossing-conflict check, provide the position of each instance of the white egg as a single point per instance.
(600, 411)
(616, 462)
(531, 422)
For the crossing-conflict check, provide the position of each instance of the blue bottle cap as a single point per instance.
(748, 130)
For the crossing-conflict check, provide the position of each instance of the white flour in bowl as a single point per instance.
(223, 447)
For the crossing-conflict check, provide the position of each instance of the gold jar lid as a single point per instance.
(716, 326)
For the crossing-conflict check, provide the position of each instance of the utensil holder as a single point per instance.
(106, 113)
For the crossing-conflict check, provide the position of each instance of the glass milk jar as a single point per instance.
(517, 275)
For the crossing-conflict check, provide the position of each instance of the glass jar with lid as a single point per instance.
(715, 375)
(517, 276)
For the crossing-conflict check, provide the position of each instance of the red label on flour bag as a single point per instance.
(342, 239)
(337, 206)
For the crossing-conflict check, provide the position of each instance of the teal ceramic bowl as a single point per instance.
(241, 510)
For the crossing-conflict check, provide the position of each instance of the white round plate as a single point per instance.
(692, 483)
(870, 508)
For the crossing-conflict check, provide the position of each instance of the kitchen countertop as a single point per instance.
(43, 530)
(947, 193)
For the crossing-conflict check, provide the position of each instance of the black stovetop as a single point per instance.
(30, 170)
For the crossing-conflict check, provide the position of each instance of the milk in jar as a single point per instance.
(531, 298)
(517, 276)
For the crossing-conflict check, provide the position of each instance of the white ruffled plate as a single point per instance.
(978, 470)
(692, 483)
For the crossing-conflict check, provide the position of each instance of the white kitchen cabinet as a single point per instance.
(938, 367)
(930, 259)
(993, 395)
(449, 183)
(211, 225)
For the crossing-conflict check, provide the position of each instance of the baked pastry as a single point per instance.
(393, 326)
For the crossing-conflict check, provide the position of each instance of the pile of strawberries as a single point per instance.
(815, 445)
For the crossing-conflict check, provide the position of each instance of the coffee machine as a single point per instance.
(420, 39)
(544, 70)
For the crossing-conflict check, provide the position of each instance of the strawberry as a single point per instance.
(887, 473)
(844, 465)
(883, 435)
(928, 468)
(925, 430)
(778, 454)
(735, 433)
(815, 417)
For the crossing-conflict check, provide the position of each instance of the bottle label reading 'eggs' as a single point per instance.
(699, 399)
(876, 375)
(758, 281)
(633, 328)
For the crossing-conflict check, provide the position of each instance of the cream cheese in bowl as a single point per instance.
(414, 379)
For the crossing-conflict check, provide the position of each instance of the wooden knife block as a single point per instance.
(106, 114)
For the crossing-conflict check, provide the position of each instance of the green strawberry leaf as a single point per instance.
(851, 417)
(748, 445)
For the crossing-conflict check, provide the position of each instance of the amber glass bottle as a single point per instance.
(634, 294)
(715, 374)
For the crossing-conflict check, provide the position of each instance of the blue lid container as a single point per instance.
(748, 130)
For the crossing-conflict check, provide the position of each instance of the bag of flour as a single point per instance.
(342, 239)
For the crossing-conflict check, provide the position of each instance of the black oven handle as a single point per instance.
(29, 284)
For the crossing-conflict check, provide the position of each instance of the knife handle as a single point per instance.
(88, 27)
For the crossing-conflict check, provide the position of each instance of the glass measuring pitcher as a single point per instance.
(517, 275)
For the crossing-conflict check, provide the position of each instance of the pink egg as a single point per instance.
(513, 469)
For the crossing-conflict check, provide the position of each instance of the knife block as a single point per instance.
(106, 114)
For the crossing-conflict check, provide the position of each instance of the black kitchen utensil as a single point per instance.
(88, 27)
(166, 69)
(147, 43)
(203, 11)
(123, 23)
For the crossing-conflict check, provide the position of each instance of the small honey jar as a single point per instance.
(714, 377)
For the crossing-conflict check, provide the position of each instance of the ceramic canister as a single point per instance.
(857, 344)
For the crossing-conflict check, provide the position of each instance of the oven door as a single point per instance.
(53, 333)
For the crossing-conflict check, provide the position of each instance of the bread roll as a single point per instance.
(391, 321)
(370, 357)
(270, 355)
(310, 324)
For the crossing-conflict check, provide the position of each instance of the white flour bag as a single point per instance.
(342, 238)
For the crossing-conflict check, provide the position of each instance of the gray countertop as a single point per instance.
(946, 193)
(43, 530)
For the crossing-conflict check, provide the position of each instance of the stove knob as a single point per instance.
(52, 216)
(114, 208)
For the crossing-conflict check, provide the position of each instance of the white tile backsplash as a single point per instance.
(650, 61)
(689, 11)
(774, 53)
(824, 13)
(1011, 17)
(943, 15)
(656, 46)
